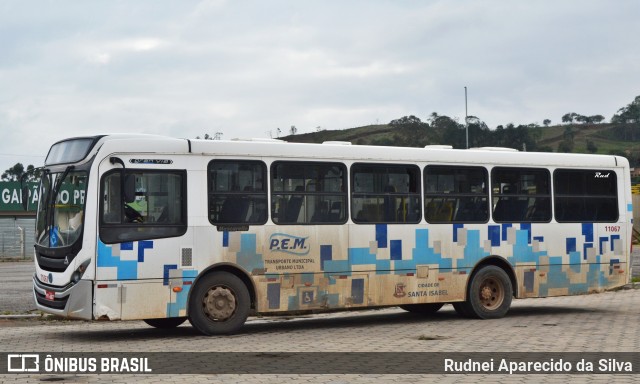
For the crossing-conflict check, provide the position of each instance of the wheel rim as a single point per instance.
(491, 293)
(219, 303)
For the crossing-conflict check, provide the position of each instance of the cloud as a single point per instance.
(246, 68)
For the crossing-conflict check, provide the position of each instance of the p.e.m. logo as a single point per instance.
(294, 245)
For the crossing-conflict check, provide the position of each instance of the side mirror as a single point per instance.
(129, 188)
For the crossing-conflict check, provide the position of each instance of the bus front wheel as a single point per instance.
(219, 304)
(489, 296)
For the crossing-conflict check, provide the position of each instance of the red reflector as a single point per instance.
(187, 282)
(272, 279)
(462, 272)
(50, 295)
(102, 285)
(440, 278)
(410, 274)
(343, 276)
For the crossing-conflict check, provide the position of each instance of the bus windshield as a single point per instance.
(61, 208)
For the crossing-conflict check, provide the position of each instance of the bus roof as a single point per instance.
(136, 143)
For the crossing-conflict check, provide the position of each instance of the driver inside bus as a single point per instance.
(76, 221)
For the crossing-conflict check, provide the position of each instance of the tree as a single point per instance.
(596, 118)
(628, 114)
(16, 172)
(568, 118)
(566, 145)
(546, 122)
(568, 134)
(591, 147)
(582, 119)
(406, 120)
(444, 122)
(473, 120)
(432, 117)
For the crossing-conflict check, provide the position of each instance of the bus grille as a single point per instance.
(187, 257)
(55, 304)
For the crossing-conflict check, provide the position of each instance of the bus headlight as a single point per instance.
(77, 274)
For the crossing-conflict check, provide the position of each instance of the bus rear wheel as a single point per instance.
(219, 304)
(422, 309)
(170, 322)
(489, 296)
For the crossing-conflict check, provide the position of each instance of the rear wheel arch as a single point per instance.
(489, 290)
(499, 262)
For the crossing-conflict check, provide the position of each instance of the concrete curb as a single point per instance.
(21, 316)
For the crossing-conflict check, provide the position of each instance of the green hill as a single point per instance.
(606, 138)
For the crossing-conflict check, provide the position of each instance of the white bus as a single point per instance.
(164, 229)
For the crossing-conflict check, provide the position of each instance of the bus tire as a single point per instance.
(489, 295)
(219, 304)
(167, 323)
(461, 309)
(423, 309)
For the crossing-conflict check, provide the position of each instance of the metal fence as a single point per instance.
(17, 237)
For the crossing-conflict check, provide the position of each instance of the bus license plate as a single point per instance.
(50, 295)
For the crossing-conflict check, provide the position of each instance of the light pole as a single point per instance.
(466, 117)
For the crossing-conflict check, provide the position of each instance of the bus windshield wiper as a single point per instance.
(54, 196)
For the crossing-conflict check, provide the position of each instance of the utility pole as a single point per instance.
(466, 116)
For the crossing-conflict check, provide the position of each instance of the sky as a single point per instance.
(248, 68)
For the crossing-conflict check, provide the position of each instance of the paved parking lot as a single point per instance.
(15, 285)
(607, 322)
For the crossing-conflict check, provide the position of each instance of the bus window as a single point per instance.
(308, 193)
(521, 195)
(153, 207)
(585, 195)
(385, 193)
(237, 192)
(456, 194)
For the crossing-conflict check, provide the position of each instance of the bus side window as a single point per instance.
(456, 194)
(385, 193)
(302, 192)
(153, 205)
(237, 193)
(585, 195)
(521, 195)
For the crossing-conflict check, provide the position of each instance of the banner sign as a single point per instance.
(11, 196)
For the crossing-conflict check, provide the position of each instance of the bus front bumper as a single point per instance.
(73, 301)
